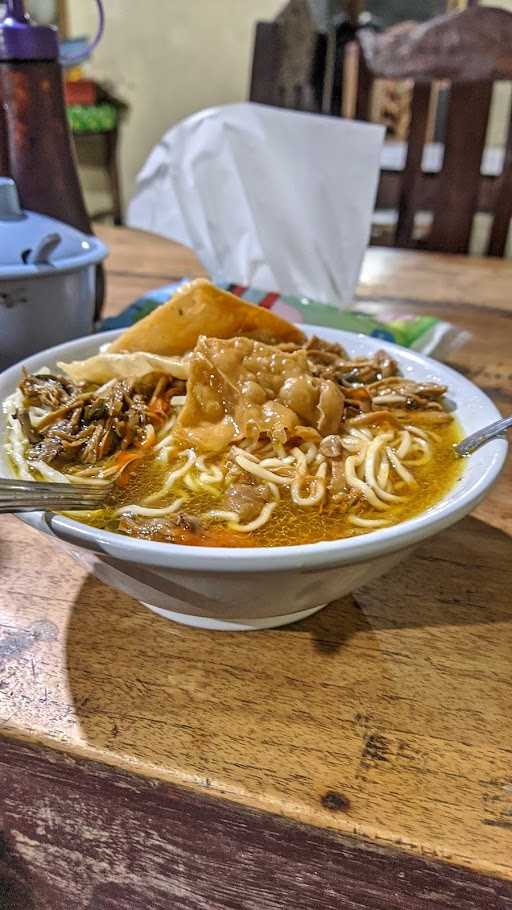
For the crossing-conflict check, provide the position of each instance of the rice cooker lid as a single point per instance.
(32, 244)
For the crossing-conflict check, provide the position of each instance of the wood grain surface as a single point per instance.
(136, 256)
(90, 838)
(387, 716)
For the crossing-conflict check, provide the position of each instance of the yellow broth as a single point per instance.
(289, 523)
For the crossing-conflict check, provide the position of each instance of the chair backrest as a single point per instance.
(471, 50)
(289, 60)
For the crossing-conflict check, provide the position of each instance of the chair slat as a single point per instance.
(265, 64)
(503, 203)
(466, 127)
(364, 89)
(412, 175)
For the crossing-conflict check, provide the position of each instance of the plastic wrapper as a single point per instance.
(422, 333)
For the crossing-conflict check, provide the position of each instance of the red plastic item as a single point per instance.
(80, 91)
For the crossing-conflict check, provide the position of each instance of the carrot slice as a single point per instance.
(210, 537)
(125, 461)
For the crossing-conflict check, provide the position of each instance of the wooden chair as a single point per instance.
(294, 66)
(288, 63)
(471, 50)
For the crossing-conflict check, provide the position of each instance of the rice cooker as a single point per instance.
(47, 279)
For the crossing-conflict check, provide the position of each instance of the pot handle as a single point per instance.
(42, 251)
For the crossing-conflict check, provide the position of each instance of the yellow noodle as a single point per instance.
(222, 514)
(316, 490)
(371, 456)
(276, 462)
(357, 484)
(372, 452)
(258, 522)
(150, 513)
(49, 473)
(254, 468)
(274, 489)
(212, 475)
(172, 478)
(416, 431)
(367, 522)
(383, 472)
(300, 457)
(399, 468)
(425, 453)
(405, 444)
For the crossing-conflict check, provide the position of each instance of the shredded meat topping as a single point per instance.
(87, 426)
(46, 390)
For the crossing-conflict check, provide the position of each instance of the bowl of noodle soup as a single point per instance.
(316, 552)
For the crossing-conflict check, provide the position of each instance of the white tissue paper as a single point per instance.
(268, 198)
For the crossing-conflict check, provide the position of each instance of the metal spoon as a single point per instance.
(493, 431)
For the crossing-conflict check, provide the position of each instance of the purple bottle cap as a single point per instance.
(21, 39)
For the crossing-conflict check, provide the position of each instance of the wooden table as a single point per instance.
(362, 758)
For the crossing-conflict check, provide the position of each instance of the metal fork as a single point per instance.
(33, 495)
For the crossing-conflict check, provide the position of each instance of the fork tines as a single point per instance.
(24, 495)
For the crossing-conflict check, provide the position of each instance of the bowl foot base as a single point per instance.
(238, 625)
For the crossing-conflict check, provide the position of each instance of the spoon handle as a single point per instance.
(493, 431)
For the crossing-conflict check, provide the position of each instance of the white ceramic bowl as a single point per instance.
(262, 588)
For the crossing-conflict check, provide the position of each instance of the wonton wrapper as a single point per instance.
(199, 308)
(107, 366)
(235, 387)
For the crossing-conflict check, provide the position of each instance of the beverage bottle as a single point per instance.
(36, 148)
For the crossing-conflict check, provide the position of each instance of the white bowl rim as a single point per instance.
(312, 556)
